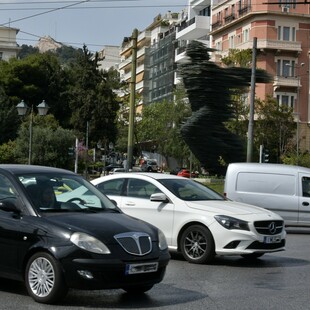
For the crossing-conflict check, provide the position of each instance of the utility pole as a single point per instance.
(252, 100)
(132, 106)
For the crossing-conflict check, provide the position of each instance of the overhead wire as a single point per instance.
(72, 5)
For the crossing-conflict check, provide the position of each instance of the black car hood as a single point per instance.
(103, 226)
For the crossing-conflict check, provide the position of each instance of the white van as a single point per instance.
(281, 188)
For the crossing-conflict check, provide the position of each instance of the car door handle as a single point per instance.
(305, 203)
(129, 203)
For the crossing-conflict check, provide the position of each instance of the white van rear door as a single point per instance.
(304, 199)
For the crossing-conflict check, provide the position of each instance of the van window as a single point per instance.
(267, 183)
(306, 187)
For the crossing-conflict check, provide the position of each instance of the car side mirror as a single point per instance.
(114, 202)
(9, 205)
(159, 197)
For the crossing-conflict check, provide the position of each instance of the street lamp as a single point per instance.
(22, 109)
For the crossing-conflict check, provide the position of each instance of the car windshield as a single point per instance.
(190, 190)
(64, 193)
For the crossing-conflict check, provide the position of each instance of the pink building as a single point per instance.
(282, 29)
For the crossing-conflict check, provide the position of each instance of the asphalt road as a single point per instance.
(276, 281)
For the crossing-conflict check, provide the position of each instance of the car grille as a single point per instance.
(269, 227)
(135, 243)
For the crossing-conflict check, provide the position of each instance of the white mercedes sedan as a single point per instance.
(197, 221)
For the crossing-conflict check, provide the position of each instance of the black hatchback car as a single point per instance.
(53, 244)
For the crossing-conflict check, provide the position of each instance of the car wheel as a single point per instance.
(44, 279)
(197, 245)
(137, 289)
(252, 255)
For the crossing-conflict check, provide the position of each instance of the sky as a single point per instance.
(95, 23)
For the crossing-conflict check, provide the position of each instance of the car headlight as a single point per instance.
(162, 242)
(231, 222)
(89, 243)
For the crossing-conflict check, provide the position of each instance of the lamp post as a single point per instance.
(22, 109)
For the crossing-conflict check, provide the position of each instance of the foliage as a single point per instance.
(9, 121)
(50, 143)
(7, 152)
(290, 158)
(237, 57)
(26, 50)
(91, 98)
(159, 128)
(68, 54)
(37, 77)
(76, 91)
(274, 127)
(65, 54)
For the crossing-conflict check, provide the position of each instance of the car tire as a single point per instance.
(197, 245)
(140, 289)
(44, 279)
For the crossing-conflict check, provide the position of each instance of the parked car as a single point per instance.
(109, 167)
(149, 165)
(187, 174)
(283, 189)
(197, 221)
(53, 243)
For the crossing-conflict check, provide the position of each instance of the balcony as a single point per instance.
(123, 64)
(216, 25)
(229, 18)
(195, 28)
(283, 81)
(279, 45)
(245, 10)
(276, 45)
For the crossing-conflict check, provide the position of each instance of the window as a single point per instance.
(141, 189)
(245, 35)
(113, 187)
(205, 12)
(6, 188)
(306, 186)
(231, 42)
(286, 67)
(286, 99)
(218, 46)
(286, 33)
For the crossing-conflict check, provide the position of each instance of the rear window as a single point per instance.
(267, 183)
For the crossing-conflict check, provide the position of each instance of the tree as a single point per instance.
(34, 78)
(50, 143)
(7, 153)
(26, 50)
(159, 128)
(92, 99)
(274, 127)
(9, 121)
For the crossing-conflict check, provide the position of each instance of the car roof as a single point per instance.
(17, 169)
(151, 175)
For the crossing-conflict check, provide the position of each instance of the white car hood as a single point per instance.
(227, 207)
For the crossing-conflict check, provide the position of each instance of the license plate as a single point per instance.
(272, 239)
(141, 268)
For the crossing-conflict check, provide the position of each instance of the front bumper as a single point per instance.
(241, 242)
(110, 273)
